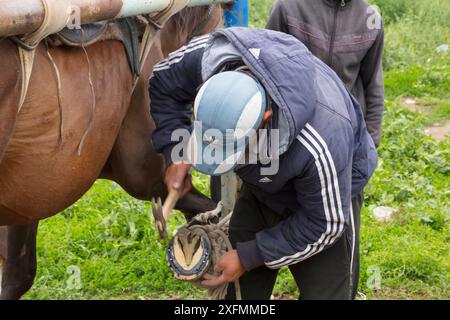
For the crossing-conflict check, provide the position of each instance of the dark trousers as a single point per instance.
(326, 275)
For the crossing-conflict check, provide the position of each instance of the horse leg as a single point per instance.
(194, 203)
(133, 163)
(17, 260)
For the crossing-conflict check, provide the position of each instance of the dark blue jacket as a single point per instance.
(327, 155)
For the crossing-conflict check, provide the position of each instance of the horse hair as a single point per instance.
(186, 19)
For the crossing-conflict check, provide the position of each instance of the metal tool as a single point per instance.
(161, 212)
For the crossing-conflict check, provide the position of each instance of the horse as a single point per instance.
(42, 169)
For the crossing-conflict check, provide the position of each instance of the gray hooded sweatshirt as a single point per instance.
(348, 36)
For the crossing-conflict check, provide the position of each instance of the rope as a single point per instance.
(155, 23)
(91, 115)
(60, 96)
(23, 44)
(217, 235)
(57, 14)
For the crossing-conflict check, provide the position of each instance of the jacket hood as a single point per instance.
(286, 69)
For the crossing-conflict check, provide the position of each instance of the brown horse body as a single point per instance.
(41, 172)
(41, 175)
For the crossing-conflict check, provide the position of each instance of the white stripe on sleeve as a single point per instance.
(310, 138)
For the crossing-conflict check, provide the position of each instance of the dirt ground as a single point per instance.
(438, 130)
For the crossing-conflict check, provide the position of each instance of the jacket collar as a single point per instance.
(339, 3)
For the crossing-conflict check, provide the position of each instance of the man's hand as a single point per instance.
(178, 177)
(230, 267)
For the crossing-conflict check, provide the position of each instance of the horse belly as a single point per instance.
(41, 173)
(9, 92)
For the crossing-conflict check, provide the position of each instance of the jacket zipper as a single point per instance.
(333, 34)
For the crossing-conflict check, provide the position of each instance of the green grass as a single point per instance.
(412, 176)
(414, 29)
(433, 109)
(429, 80)
(259, 11)
(110, 236)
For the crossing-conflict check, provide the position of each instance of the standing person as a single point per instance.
(348, 36)
(295, 213)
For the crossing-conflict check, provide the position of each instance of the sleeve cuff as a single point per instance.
(250, 255)
(167, 153)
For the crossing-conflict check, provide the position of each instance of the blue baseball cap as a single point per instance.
(228, 109)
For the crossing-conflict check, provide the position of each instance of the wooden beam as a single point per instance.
(26, 16)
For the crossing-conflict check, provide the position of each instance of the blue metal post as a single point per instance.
(238, 16)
